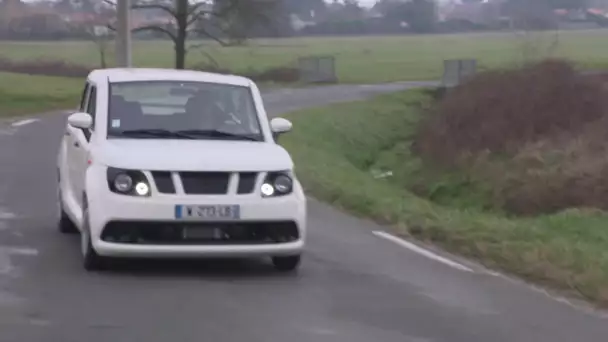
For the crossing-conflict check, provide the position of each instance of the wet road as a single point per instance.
(354, 286)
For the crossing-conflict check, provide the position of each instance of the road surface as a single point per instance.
(354, 285)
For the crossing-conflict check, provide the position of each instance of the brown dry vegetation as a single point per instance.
(536, 136)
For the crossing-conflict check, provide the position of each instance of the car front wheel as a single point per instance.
(91, 261)
(65, 224)
(286, 264)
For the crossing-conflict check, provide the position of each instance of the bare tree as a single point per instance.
(214, 20)
(98, 34)
(537, 28)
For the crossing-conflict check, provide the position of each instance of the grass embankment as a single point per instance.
(24, 94)
(341, 150)
(374, 59)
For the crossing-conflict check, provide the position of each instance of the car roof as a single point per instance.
(114, 75)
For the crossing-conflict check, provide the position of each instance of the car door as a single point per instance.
(81, 146)
(72, 149)
(78, 146)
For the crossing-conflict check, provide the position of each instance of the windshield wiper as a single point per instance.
(161, 133)
(212, 133)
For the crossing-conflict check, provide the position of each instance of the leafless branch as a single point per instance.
(195, 13)
(194, 9)
(157, 29)
(199, 47)
(168, 9)
(213, 37)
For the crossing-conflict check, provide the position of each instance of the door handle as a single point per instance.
(77, 144)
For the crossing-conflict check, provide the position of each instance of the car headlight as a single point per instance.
(277, 184)
(128, 182)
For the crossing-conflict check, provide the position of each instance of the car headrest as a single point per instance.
(117, 100)
(125, 109)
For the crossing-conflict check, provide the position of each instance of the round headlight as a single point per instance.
(283, 184)
(142, 189)
(123, 182)
(267, 189)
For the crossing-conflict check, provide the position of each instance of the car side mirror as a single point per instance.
(81, 120)
(279, 126)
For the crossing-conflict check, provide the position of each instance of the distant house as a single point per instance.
(16, 15)
(298, 24)
(485, 13)
(11, 9)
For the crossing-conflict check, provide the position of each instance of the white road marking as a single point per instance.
(6, 215)
(27, 251)
(417, 249)
(23, 122)
(6, 264)
(6, 131)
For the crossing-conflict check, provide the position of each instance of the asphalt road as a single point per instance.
(353, 285)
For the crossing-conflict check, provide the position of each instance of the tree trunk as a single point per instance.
(181, 18)
(180, 53)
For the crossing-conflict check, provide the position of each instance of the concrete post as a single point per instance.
(123, 33)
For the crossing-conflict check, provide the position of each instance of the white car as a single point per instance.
(164, 163)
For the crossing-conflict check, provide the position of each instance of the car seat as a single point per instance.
(129, 113)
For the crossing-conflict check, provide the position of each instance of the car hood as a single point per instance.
(193, 155)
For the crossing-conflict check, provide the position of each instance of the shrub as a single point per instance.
(536, 135)
(502, 110)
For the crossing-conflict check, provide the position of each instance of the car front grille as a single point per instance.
(204, 183)
(164, 182)
(180, 233)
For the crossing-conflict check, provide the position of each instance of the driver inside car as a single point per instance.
(204, 112)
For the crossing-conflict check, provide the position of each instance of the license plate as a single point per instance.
(207, 233)
(207, 212)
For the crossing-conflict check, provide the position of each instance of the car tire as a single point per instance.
(286, 264)
(91, 261)
(65, 224)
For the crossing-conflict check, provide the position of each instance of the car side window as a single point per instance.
(90, 101)
(83, 100)
(91, 105)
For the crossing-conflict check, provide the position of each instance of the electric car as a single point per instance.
(178, 164)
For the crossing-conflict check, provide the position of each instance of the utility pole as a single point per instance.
(123, 33)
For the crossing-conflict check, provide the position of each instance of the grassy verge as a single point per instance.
(341, 149)
(25, 94)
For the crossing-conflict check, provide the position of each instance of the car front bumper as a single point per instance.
(107, 209)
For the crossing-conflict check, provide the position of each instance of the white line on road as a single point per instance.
(27, 251)
(6, 215)
(414, 248)
(23, 122)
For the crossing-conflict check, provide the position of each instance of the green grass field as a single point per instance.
(24, 94)
(337, 150)
(359, 59)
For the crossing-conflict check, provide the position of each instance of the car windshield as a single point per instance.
(182, 110)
